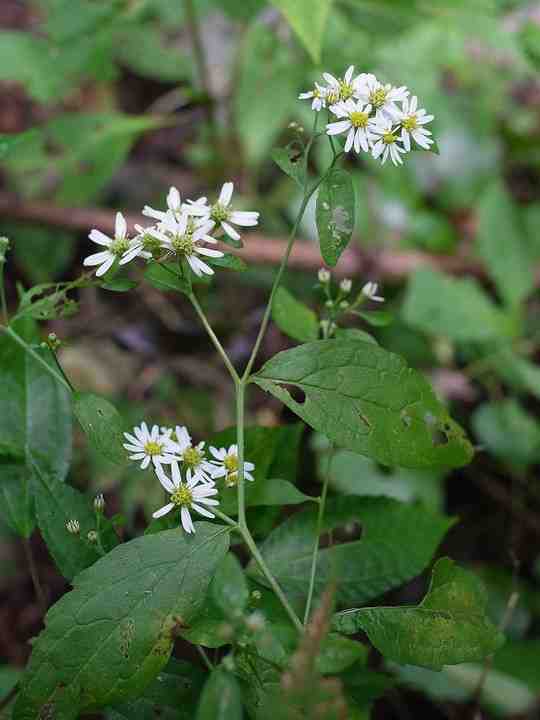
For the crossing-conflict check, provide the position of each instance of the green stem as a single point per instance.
(12, 334)
(205, 657)
(250, 542)
(213, 337)
(240, 401)
(314, 557)
(61, 370)
(200, 60)
(3, 295)
(38, 588)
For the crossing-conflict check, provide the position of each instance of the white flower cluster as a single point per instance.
(182, 230)
(377, 119)
(191, 484)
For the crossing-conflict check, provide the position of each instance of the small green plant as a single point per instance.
(284, 621)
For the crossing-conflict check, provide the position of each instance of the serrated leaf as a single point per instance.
(166, 278)
(56, 503)
(501, 242)
(447, 628)
(221, 698)
(455, 308)
(293, 317)
(106, 640)
(308, 20)
(229, 587)
(103, 425)
(367, 400)
(364, 569)
(335, 214)
(292, 160)
(35, 424)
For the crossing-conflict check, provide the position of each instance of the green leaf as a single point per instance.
(221, 698)
(293, 317)
(26, 59)
(103, 425)
(508, 431)
(502, 244)
(449, 626)
(265, 61)
(229, 587)
(308, 19)
(335, 214)
(173, 695)
(229, 262)
(42, 253)
(56, 503)
(366, 568)
(11, 143)
(355, 334)
(35, 427)
(517, 371)
(376, 318)
(361, 396)
(455, 308)
(108, 638)
(148, 51)
(166, 278)
(292, 160)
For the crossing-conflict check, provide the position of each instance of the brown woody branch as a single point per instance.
(385, 264)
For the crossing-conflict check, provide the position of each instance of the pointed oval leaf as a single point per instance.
(229, 587)
(107, 639)
(367, 400)
(450, 626)
(293, 317)
(221, 698)
(103, 425)
(335, 215)
(308, 20)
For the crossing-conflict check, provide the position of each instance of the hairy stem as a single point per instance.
(320, 518)
(38, 588)
(12, 334)
(213, 337)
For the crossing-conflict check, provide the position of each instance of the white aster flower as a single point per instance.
(118, 248)
(386, 140)
(222, 214)
(412, 120)
(340, 88)
(323, 276)
(345, 285)
(182, 237)
(174, 205)
(73, 527)
(148, 446)
(317, 96)
(356, 122)
(226, 464)
(192, 456)
(382, 98)
(370, 291)
(187, 496)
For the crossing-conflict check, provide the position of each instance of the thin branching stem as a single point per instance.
(214, 338)
(18, 339)
(38, 588)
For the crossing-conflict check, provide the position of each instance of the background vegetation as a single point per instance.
(107, 104)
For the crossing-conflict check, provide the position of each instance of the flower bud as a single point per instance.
(99, 503)
(324, 276)
(92, 537)
(256, 595)
(53, 342)
(255, 622)
(343, 305)
(73, 527)
(4, 247)
(345, 285)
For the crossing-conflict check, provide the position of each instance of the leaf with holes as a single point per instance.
(335, 215)
(397, 542)
(450, 626)
(105, 641)
(293, 317)
(292, 160)
(103, 424)
(367, 400)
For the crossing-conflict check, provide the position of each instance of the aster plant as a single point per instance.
(230, 560)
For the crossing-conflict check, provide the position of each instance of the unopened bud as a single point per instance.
(4, 247)
(53, 342)
(293, 125)
(324, 276)
(345, 285)
(92, 537)
(256, 595)
(255, 622)
(99, 503)
(343, 305)
(73, 527)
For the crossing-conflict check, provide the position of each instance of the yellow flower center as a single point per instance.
(389, 138)
(410, 123)
(231, 480)
(192, 457)
(182, 497)
(345, 90)
(183, 244)
(231, 463)
(118, 247)
(152, 448)
(219, 213)
(378, 97)
(359, 119)
(332, 97)
(151, 244)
